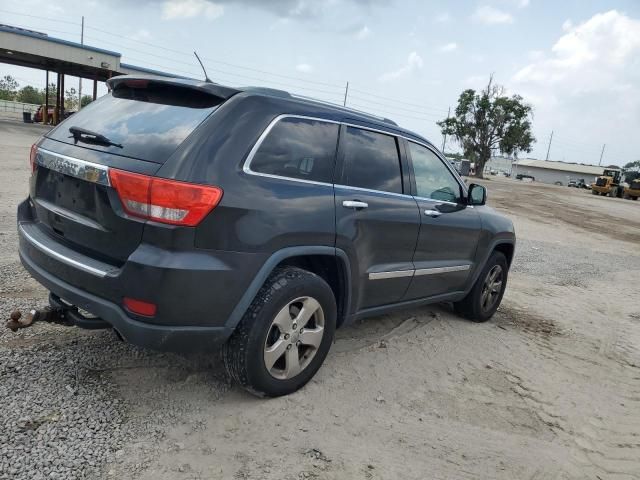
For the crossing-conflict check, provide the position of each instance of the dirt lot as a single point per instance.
(549, 388)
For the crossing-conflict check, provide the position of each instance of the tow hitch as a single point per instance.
(59, 312)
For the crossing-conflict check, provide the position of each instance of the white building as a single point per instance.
(558, 173)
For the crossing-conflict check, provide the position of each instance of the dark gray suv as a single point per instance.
(187, 216)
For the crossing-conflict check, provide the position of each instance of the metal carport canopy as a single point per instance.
(28, 48)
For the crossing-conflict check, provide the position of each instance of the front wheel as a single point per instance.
(484, 298)
(284, 336)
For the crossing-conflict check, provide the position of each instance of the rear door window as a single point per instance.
(371, 161)
(298, 148)
(148, 124)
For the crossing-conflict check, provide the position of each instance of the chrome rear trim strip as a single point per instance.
(74, 167)
(61, 257)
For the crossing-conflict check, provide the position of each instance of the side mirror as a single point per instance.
(477, 195)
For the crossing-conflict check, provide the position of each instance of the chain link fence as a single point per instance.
(10, 110)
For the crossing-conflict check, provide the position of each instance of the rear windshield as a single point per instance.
(147, 123)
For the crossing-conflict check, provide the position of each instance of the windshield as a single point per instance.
(149, 127)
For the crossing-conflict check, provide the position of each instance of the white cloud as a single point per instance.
(304, 68)
(590, 54)
(588, 82)
(491, 15)
(141, 34)
(523, 3)
(535, 55)
(448, 47)
(176, 9)
(475, 81)
(443, 17)
(414, 63)
(363, 33)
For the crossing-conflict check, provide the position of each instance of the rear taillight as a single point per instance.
(163, 200)
(32, 157)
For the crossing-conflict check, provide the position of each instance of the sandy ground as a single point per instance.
(548, 389)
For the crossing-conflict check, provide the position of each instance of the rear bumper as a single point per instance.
(157, 337)
(199, 293)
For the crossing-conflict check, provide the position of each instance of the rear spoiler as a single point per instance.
(141, 81)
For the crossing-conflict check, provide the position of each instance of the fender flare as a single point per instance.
(492, 246)
(273, 261)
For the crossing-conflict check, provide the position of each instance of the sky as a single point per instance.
(577, 62)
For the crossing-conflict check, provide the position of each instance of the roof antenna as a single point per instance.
(206, 77)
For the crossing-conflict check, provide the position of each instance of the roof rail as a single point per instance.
(346, 109)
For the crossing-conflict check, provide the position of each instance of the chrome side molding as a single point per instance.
(437, 270)
(418, 272)
(394, 274)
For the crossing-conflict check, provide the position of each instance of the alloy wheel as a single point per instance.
(491, 288)
(294, 338)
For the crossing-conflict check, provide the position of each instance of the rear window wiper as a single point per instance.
(87, 136)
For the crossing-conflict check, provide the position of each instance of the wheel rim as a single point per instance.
(294, 338)
(492, 288)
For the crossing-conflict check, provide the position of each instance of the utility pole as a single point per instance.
(601, 154)
(346, 92)
(444, 139)
(80, 79)
(549, 147)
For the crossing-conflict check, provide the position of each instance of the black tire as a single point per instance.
(244, 352)
(594, 192)
(471, 306)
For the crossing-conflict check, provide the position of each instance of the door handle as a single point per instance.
(356, 204)
(432, 213)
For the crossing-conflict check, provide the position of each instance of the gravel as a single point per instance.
(570, 265)
(62, 416)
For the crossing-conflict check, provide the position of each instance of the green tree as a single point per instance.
(632, 166)
(29, 94)
(71, 99)
(455, 156)
(489, 120)
(8, 88)
(52, 94)
(86, 100)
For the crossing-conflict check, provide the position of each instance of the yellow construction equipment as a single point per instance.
(608, 183)
(633, 190)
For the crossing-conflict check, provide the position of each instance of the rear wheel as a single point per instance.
(484, 298)
(285, 334)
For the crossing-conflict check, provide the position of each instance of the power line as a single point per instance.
(389, 105)
(386, 112)
(165, 49)
(384, 97)
(48, 29)
(40, 17)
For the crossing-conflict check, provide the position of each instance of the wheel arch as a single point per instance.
(508, 249)
(505, 245)
(330, 263)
